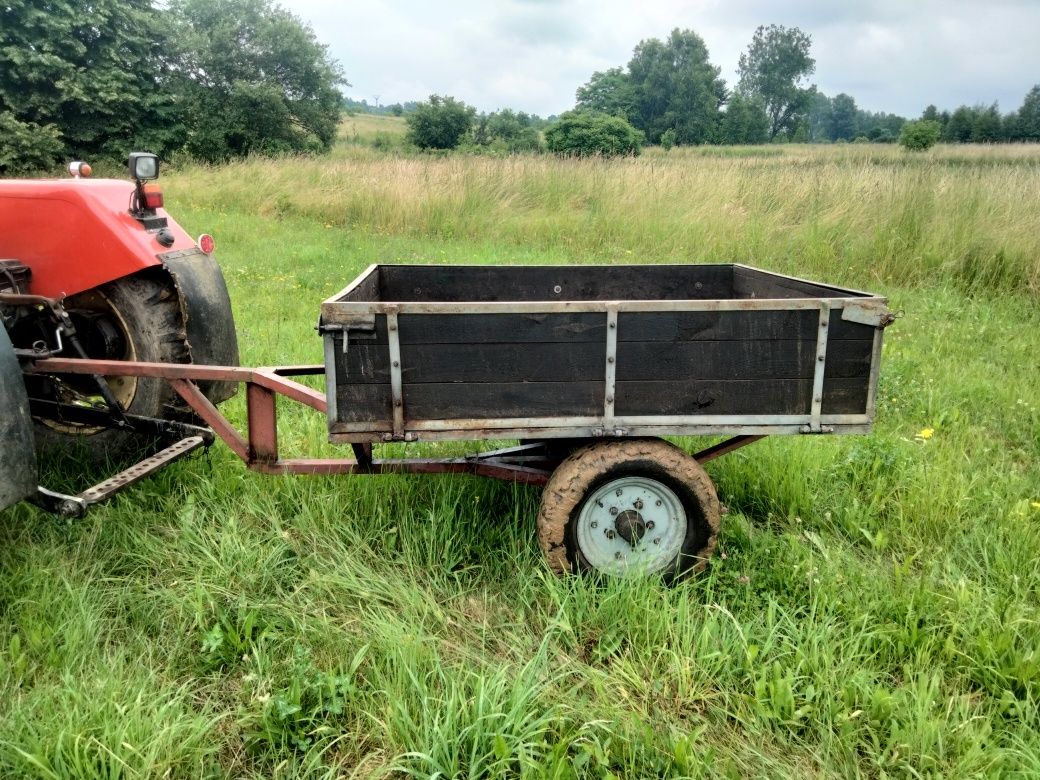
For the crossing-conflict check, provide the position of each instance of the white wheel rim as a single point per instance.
(645, 510)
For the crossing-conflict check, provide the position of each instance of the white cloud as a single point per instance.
(891, 55)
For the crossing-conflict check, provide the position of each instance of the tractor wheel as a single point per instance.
(134, 318)
(639, 507)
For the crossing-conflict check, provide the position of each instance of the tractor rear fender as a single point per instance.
(206, 311)
(17, 448)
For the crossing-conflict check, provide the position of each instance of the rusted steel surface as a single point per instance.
(205, 409)
(724, 448)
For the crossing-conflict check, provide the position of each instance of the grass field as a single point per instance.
(871, 611)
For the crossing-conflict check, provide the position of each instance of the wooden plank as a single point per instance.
(502, 328)
(748, 359)
(749, 283)
(479, 400)
(445, 401)
(747, 397)
(637, 361)
(367, 290)
(539, 283)
(422, 363)
(364, 403)
(717, 325)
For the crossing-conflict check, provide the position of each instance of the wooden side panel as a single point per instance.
(488, 366)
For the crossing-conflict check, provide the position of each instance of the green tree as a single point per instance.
(818, 116)
(772, 69)
(1027, 123)
(439, 123)
(78, 83)
(588, 133)
(919, 135)
(253, 78)
(959, 126)
(987, 129)
(745, 122)
(843, 124)
(608, 92)
(676, 87)
(506, 131)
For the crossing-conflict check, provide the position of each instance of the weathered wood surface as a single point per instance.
(538, 283)
(488, 366)
(444, 401)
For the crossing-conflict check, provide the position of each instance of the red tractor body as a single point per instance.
(77, 234)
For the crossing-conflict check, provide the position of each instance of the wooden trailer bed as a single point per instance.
(536, 352)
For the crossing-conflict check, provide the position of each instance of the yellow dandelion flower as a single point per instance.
(1035, 504)
(926, 433)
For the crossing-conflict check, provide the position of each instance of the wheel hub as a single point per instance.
(630, 526)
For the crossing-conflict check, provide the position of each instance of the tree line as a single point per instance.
(212, 79)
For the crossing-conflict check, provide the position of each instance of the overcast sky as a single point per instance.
(530, 55)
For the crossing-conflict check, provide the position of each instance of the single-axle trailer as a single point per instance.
(587, 366)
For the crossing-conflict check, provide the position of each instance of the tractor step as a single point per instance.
(76, 506)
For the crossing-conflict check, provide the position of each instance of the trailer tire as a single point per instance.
(650, 468)
(146, 312)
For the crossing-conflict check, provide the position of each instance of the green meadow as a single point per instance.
(872, 608)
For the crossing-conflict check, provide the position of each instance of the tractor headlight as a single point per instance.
(144, 166)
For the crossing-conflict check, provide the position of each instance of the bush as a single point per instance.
(439, 123)
(585, 133)
(920, 135)
(668, 139)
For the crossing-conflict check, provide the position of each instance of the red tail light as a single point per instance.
(153, 198)
(206, 243)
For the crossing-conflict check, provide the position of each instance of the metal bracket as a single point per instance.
(393, 338)
(611, 365)
(873, 313)
(820, 370)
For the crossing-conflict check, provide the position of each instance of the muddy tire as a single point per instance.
(141, 321)
(623, 507)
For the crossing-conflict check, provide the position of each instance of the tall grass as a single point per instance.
(871, 612)
(848, 213)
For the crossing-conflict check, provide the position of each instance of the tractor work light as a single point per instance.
(143, 166)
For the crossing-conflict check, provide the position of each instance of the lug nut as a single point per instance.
(638, 503)
(657, 541)
(618, 492)
(657, 502)
(649, 525)
(617, 556)
(595, 524)
(613, 510)
(609, 533)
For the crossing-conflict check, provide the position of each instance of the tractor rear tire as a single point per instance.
(144, 310)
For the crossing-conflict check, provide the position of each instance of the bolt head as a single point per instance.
(657, 502)
(618, 492)
(613, 510)
(595, 524)
(617, 556)
(638, 503)
(610, 533)
(649, 525)
(657, 541)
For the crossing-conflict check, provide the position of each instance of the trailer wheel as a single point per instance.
(134, 318)
(619, 508)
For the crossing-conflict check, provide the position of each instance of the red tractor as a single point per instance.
(97, 269)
